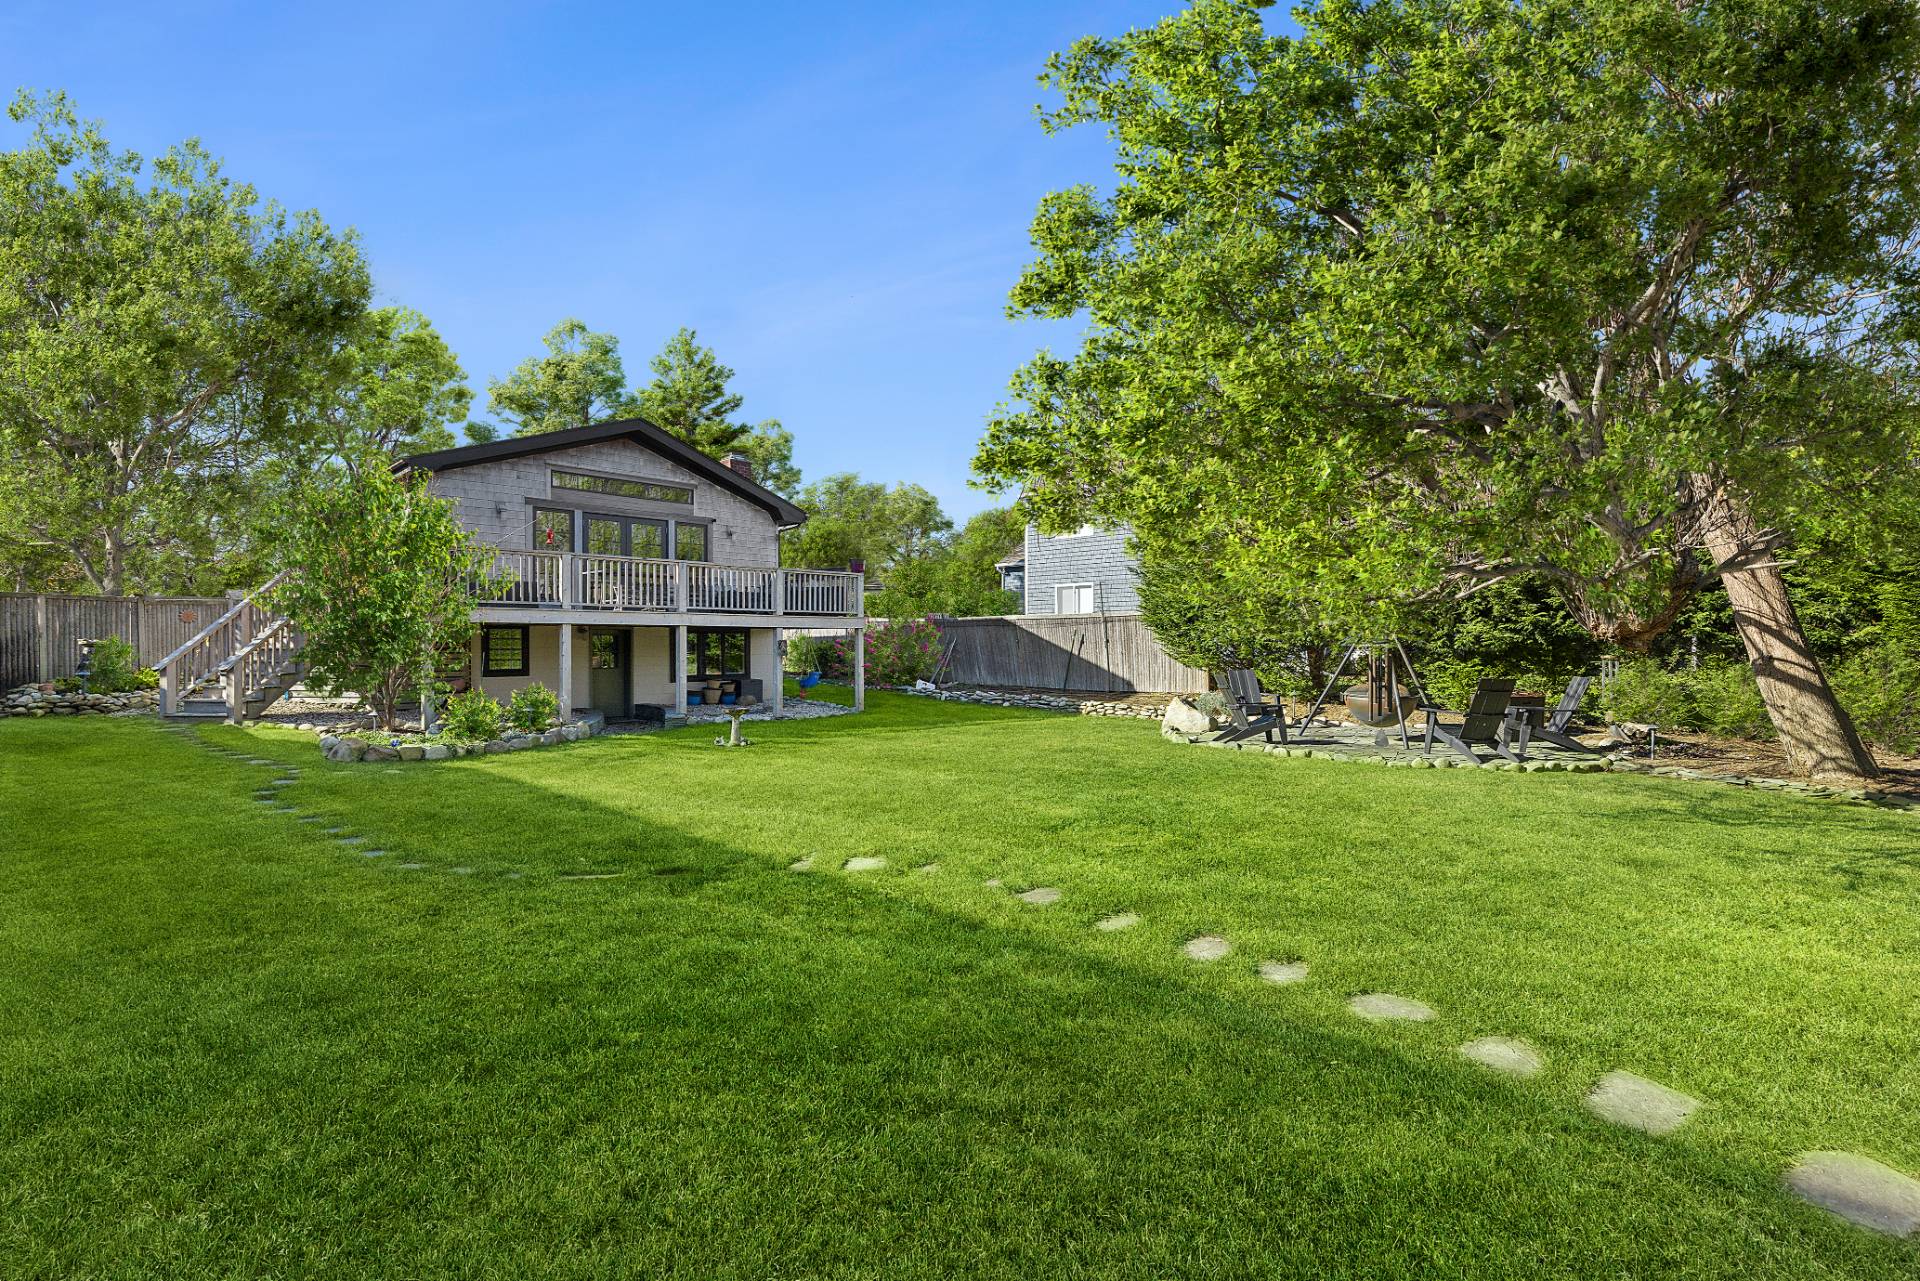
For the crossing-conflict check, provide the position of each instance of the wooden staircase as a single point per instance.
(235, 668)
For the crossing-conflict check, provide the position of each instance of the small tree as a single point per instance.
(380, 581)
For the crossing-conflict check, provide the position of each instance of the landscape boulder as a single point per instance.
(1182, 717)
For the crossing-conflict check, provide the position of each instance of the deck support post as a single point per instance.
(779, 674)
(679, 663)
(859, 669)
(566, 672)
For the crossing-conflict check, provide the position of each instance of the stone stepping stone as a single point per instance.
(1208, 947)
(283, 782)
(350, 840)
(1640, 1104)
(1860, 1190)
(927, 869)
(410, 867)
(311, 818)
(864, 863)
(804, 865)
(264, 800)
(1504, 1055)
(993, 884)
(514, 876)
(461, 871)
(1384, 1007)
(591, 876)
(1118, 921)
(255, 760)
(1283, 971)
(374, 853)
(1040, 896)
(334, 831)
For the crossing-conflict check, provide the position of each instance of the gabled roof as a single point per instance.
(640, 432)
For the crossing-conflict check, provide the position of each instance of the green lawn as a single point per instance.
(232, 1047)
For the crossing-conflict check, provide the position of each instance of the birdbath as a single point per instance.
(735, 713)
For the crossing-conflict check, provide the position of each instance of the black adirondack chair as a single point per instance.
(1489, 719)
(1253, 712)
(1562, 715)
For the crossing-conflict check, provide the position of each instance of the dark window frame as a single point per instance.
(533, 530)
(486, 649)
(696, 646)
(706, 540)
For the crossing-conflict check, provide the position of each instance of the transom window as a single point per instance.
(503, 651)
(652, 490)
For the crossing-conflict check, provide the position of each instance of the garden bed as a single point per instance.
(344, 749)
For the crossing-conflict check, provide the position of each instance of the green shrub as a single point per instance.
(116, 668)
(533, 708)
(899, 652)
(471, 717)
(1880, 688)
(1719, 697)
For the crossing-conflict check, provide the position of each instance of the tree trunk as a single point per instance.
(1815, 730)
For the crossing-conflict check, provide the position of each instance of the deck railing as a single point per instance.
(577, 580)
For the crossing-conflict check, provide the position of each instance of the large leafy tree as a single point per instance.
(381, 577)
(849, 519)
(579, 381)
(954, 574)
(159, 325)
(689, 396)
(393, 388)
(1617, 293)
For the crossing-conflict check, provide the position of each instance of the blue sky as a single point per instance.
(836, 196)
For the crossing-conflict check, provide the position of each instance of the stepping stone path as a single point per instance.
(804, 865)
(1040, 896)
(928, 868)
(865, 863)
(1640, 1104)
(1118, 921)
(1860, 1190)
(1384, 1007)
(1208, 947)
(1504, 1055)
(1283, 971)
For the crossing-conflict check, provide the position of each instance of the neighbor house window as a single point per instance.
(552, 530)
(689, 542)
(503, 651)
(1073, 598)
(648, 489)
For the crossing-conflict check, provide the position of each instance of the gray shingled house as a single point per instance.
(1089, 571)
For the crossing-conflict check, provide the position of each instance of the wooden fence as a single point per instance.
(40, 635)
(1088, 653)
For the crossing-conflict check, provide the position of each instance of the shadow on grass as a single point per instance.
(724, 1069)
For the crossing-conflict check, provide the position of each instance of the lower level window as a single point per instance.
(716, 652)
(503, 651)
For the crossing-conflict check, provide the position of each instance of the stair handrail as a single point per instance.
(172, 689)
(276, 643)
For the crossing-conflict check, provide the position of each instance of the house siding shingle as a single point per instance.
(1099, 557)
(492, 498)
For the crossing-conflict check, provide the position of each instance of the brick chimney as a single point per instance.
(739, 462)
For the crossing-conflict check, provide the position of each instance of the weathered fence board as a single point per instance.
(1090, 653)
(40, 635)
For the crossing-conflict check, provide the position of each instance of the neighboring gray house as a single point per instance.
(1086, 572)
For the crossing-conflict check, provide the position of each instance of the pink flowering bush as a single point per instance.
(899, 652)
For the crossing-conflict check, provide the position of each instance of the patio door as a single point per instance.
(626, 536)
(609, 658)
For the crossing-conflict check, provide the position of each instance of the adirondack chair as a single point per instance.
(1555, 731)
(1489, 719)
(1253, 712)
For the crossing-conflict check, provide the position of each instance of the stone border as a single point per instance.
(40, 699)
(346, 749)
(1596, 765)
(1040, 702)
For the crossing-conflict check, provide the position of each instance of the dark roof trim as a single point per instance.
(639, 431)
